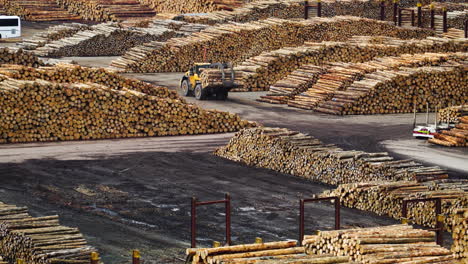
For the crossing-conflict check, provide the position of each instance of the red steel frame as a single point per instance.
(302, 203)
(196, 203)
(438, 211)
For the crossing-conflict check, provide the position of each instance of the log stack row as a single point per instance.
(109, 10)
(39, 240)
(385, 244)
(51, 34)
(452, 114)
(454, 137)
(386, 198)
(54, 110)
(33, 10)
(460, 233)
(192, 6)
(301, 155)
(19, 56)
(236, 42)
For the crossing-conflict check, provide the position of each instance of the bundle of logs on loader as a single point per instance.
(262, 253)
(386, 198)
(460, 233)
(452, 114)
(235, 42)
(109, 10)
(19, 56)
(385, 244)
(51, 34)
(34, 10)
(302, 155)
(39, 240)
(263, 71)
(192, 6)
(72, 103)
(454, 137)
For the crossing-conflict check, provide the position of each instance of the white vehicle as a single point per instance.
(427, 130)
(10, 27)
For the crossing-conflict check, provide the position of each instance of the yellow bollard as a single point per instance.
(20, 261)
(405, 221)
(136, 256)
(216, 244)
(258, 240)
(94, 258)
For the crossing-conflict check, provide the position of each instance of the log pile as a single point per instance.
(452, 114)
(301, 155)
(51, 34)
(460, 233)
(386, 198)
(39, 240)
(109, 10)
(454, 137)
(33, 10)
(18, 56)
(191, 6)
(42, 110)
(385, 244)
(235, 42)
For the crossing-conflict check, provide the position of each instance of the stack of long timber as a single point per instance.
(460, 233)
(109, 10)
(386, 198)
(192, 6)
(452, 114)
(385, 244)
(107, 39)
(34, 10)
(389, 91)
(263, 71)
(218, 78)
(18, 56)
(39, 240)
(51, 34)
(301, 155)
(454, 137)
(235, 42)
(264, 253)
(339, 76)
(256, 10)
(55, 111)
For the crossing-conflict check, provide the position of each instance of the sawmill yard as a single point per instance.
(100, 151)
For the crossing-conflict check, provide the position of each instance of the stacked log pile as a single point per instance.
(69, 107)
(39, 240)
(51, 34)
(301, 155)
(33, 10)
(386, 198)
(454, 137)
(386, 244)
(235, 42)
(262, 71)
(18, 56)
(452, 114)
(109, 10)
(262, 253)
(192, 6)
(460, 233)
(401, 91)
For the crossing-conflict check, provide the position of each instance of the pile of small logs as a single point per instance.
(386, 198)
(39, 240)
(262, 253)
(52, 33)
(260, 9)
(452, 114)
(101, 39)
(33, 10)
(385, 244)
(454, 137)
(214, 78)
(192, 6)
(55, 111)
(18, 56)
(301, 155)
(109, 10)
(235, 42)
(460, 233)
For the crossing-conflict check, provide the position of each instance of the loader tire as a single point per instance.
(200, 93)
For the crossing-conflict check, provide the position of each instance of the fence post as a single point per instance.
(395, 10)
(319, 8)
(419, 5)
(444, 21)
(382, 10)
(432, 16)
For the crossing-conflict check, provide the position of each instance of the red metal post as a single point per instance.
(306, 9)
(193, 222)
(399, 17)
(419, 15)
(412, 18)
(301, 221)
(382, 10)
(438, 211)
(319, 8)
(466, 29)
(337, 213)
(228, 218)
(444, 20)
(395, 10)
(302, 214)
(432, 17)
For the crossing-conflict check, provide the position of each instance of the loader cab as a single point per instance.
(10, 27)
(193, 75)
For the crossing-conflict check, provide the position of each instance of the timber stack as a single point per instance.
(19, 56)
(58, 111)
(39, 240)
(385, 244)
(454, 137)
(51, 34)
(299, 154)
(386, 198)
(236, 42)
(460, 233)
(33, 10)
(452, 114)
(109, 10)
(191, 6)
